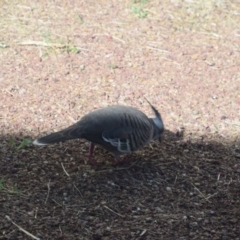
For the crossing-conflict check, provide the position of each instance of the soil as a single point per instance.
(63, 59)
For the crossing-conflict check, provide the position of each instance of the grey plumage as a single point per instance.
(119, 129)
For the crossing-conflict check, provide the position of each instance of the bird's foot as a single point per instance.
(119, 160)
(93, 162)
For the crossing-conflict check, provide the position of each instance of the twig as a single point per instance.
(65, 170)
(175, 180)
(200, 193)
(77, 190)
(9, 92)
(212, 195)
(36, 212)
(143, 232)
(48, 185)
(44, 44)
(158, 49)
(57, 203)
(117, 168)
(21, 229)
(113, 211)
(60, 230)
(116, 38)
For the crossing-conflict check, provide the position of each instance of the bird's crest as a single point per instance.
(158, 119)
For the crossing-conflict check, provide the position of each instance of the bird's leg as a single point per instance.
(90, 154)
(91, 149)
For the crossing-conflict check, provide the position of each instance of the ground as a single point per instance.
(63, 59)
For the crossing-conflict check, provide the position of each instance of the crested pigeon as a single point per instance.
(118, 129)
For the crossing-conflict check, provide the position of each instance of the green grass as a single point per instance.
(72, 49)
(80, 18)
(137, 8)
(112, 66)
(8, 188)
(24, 143)
(11, 142)
(139, 11)
(54, 44)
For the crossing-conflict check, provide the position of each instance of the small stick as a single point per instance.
(158, 49)
(113, 211)
(77, 190)
(60, 229)
(65, 170)
(212, 195)
(143, 232)
(151, 145)
(57, 203)
(44, 44)
(115, 169)
(48, 185)
(21, 229)
(36, 212)
(200, 192)
(175, 180)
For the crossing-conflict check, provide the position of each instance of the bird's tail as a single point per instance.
(71, 132)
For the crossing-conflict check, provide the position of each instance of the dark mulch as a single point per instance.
(175, 189)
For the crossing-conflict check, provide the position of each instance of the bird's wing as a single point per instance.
(133, 134)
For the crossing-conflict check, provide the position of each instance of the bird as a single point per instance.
(119, 129)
